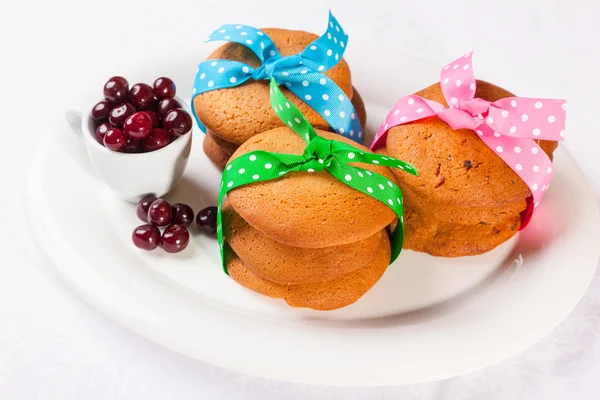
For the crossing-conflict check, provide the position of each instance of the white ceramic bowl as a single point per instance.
(132, 176)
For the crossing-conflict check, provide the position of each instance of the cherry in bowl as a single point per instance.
(166, 105)
(101, 132)
(138, 125)
(116, 89)
(119, 114)
(157, 139)
(164, 88)
(141, 96)
(177, 122)
(101, 110)
(115, 139)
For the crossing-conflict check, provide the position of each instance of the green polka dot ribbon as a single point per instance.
(320, 154)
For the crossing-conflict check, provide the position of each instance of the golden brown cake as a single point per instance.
(235, 114)
(306, 237)
(465, 200)
(308, 209)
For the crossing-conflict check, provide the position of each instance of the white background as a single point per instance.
(54, 346)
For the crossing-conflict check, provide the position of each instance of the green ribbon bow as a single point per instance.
(320, 154)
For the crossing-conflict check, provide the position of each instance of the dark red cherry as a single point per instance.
(157, 139)
(164, 88)
(177, 122)
(138, 126)
(115, 139)
(154, 117)
(132, 146)
(207, 220)
(146, 237)
(101, 110)
(182, 214)
(175, 238)
(101, 131)
(159, 213)
(119, 114)
(143, 205)
(115, 89)
(141, 96)
(166, 105)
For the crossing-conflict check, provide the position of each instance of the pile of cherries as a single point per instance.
(140, 119)
(175, 219)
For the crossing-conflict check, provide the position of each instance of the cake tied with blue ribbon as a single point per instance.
(231, 89)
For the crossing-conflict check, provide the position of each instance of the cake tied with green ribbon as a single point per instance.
(310, 216)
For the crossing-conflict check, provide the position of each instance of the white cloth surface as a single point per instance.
(54, 346)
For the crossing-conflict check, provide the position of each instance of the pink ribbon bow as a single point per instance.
(508, 126)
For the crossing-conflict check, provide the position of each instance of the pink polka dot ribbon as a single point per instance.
(509, 126)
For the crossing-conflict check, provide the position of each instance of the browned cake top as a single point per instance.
(455, 166)
(306, 209)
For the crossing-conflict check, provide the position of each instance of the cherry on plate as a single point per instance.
(119, 114)
(165, 105)
(141, 96)
(177, 122)
(146, 237)
(115, 89)
(182, 214)
(159, 213)
(132, 146)
(101, 110)
(101, 132)
(115, 139)
(175, 238)
(164, 88)
(143, 205)
(157, 139)
(207, 220)
(138, 126)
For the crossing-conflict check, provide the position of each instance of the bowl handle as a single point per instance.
(73, 116)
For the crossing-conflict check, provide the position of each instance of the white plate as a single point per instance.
(428, 318)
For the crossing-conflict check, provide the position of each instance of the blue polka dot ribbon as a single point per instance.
(301, 73)
(319, 155)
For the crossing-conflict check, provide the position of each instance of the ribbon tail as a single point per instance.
(325, 97)
(325, 52)
(289, 114)
(539, 119)
(347, 153)
(458, 81)
(220, 229)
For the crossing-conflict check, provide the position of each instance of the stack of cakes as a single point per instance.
(466, 200)
(306, 238)
(233, 115)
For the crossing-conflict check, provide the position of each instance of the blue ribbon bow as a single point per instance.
(301, 73)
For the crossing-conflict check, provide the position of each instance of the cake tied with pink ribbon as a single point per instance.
(484, 158)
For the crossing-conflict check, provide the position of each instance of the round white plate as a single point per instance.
(427, 318)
